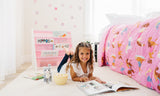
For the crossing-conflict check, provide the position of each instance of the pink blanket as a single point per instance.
(133, 50)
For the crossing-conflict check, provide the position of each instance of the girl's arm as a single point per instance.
(75, 77)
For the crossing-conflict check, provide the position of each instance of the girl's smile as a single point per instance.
(84, 54)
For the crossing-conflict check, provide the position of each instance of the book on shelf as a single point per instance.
(94, 87)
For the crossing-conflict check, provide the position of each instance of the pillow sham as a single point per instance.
(123, 19)
(152, 15)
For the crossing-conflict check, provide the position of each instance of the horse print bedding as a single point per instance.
(133, 50)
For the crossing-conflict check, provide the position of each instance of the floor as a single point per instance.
(22, 86)
(17, 85)
(11, 77)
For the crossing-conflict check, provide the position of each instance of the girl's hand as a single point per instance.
(84, 79)
(100, 81)
(97, 79)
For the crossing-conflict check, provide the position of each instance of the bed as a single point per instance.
(133, 50)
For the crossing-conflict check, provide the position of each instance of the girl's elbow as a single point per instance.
(73, 79)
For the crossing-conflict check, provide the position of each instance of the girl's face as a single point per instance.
(84, 54)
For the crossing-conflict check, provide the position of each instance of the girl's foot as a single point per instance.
(71, 51)
(67, 51)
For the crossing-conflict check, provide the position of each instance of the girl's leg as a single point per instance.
(68, 54)
(64, 60)
(71, 53)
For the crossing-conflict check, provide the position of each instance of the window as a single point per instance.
(96, 11)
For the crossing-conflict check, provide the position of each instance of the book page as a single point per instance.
(93, 87)
(122, 87)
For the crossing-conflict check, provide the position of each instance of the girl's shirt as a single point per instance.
(77, 69)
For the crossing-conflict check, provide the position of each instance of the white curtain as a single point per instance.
(7, 38)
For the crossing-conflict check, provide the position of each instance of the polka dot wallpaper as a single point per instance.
(60, 15)
(53, 15)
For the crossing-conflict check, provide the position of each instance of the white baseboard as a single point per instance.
(27, 59)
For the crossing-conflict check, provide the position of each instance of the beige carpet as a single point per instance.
(11, 77)
(27, 87)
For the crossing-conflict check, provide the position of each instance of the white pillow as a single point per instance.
(152, 15)
(123, 19)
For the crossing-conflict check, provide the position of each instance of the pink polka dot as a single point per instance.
(55, 19)
(45, 26)
(55, 8)
(62, 5)
(72, 17)
(35, 22)
(80, 8)
(50, 5)
(70, 6)
(35, 1)
(62, 24)
(74, 26)
(36, 12)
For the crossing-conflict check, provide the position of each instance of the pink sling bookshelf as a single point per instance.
(48, 47)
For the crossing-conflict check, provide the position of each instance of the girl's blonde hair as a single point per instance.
(75, 59)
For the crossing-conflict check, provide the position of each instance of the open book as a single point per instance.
(93, 87)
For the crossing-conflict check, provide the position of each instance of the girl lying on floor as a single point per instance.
(80, 65)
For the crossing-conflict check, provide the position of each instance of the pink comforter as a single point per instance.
(133, 50)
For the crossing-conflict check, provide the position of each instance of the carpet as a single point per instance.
(26, 87)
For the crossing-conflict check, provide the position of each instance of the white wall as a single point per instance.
(52, 15)
(28, 19)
